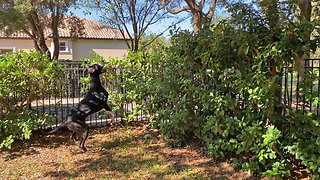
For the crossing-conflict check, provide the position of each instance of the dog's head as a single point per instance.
(96, 68)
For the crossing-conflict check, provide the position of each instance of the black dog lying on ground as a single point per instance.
(95, 100)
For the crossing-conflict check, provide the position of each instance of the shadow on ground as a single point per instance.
(38, 140)
(128, 154)
(115, 152)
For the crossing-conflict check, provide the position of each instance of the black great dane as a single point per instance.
(94, 101)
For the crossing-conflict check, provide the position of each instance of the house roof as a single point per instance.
(89, 30)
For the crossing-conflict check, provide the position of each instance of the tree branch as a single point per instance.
(120, 20)
(173, 11)
(151, 21)
(211, 9)
(29, 34)
(193, 6)
(201, 4)
(117, 22)
(145, 15)
(164, 32)
(145, 6)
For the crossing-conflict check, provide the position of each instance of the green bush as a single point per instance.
(131, 74)
(24, 77)
(222, 86)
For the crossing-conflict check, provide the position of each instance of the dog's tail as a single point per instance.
(62, 125)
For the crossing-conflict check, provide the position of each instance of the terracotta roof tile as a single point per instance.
(18, 35)
(90, 30)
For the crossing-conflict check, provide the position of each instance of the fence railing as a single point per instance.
(292, 97)
(72, 92)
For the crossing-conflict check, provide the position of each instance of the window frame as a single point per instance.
(66, 47)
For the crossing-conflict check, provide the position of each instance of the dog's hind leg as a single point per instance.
(73, 136)
(84, 138)
(81, 129)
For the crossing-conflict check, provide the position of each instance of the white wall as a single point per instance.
(105, 48)
(16, 44)
(77, 48)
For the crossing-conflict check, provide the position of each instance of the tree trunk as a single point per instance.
(196, 22)
(55, 34)
(136, 44)
(305, 12)
(134, 25)
(37, 31)
(36, 45)
(200, 19)
(305, 9)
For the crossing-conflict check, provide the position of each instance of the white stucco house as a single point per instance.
(95, 37)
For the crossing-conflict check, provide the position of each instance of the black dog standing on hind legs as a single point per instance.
(95, 100)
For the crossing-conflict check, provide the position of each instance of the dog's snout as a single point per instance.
(91, 70)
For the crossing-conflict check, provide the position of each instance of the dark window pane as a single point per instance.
(4, 51)
(62, 46)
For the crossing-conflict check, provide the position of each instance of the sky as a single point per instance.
(157, 28)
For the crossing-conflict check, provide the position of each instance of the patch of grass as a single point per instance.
(115, 153)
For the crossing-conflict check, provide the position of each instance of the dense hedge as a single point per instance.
(222, 87)
(24, 77)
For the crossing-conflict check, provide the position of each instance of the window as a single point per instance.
(4, 51)
(63, 46)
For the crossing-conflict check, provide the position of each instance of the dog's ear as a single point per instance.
(101, 63)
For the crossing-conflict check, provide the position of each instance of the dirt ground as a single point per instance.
(115, 152)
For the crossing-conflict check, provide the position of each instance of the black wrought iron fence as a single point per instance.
(72, 92)
(293, 97)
